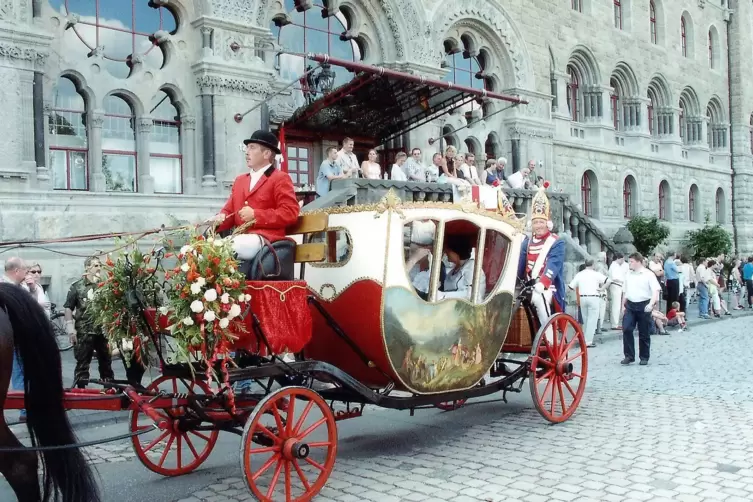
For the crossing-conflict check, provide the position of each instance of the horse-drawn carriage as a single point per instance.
(347, 316)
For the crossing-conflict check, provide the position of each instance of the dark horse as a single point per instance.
(66, 475)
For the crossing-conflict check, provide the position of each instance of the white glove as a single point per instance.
(539, 288)
(71, 330)
(648, 308)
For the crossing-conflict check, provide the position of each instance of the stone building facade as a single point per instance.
(124, 119)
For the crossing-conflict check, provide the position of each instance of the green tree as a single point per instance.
(647, 233)
(709, 241)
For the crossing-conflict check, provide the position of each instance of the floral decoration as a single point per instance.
(206, 298)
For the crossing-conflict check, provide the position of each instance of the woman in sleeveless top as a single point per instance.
(370, 168)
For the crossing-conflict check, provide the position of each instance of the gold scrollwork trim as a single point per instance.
(336, 264)
(392, 202)
(281, 293)
(358, 279)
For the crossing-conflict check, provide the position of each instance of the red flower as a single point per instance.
(218, 289)
(227, 282)
(168, 255)
(147, 258)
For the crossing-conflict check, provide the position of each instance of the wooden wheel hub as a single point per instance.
(564, 368)
(292, 449)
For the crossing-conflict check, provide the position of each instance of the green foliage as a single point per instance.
(647, 233)
(709, 241)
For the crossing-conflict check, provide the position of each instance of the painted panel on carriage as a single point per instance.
(449, 345)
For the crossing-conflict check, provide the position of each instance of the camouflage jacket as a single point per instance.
(78, 301)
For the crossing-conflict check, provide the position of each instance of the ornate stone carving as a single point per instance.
(490, 17)
(188, 121)
(395, 27)
(11, 130)
(240, 11)
(516, 132)
(245, 53)
(281, 108)
(7, 12)
(145, 125)
(23, 53)
(213, 82)
(97, 119)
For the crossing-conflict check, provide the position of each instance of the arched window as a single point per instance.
(663, 200)
(311, 31)
(711, 50)
(716, 129)
(719, 205)
(465, 67)
(618, 14)
(692, 201)
(121, 30)
(68, 137)
(576, 5)
(573, 94)
(652, 21)
(165, 159)
(119, 145)
(652, 129)
(628, 194)
(683, 124)
(586, 194)
(616, 100)
(683, 37)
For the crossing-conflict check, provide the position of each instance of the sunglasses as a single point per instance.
(35, 271)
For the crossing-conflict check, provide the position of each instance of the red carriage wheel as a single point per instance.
(450, 405)
(289, 446)
(178, 449)
(559, 366)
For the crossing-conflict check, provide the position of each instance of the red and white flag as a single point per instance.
(282, 159)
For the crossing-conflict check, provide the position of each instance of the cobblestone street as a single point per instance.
(678, 429)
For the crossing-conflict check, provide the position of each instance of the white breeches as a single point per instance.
(247, 246)
(542, 303)
(615, 304)
(589, 309)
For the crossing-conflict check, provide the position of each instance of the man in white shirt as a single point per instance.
(397, 173)
(703, 290)
(600, 265)
(617, 272)
(518, 180)
(348, 160)
(641, 293)
(589, 283)
(413, 167)
(471, 169)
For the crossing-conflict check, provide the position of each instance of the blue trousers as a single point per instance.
(635, 315)
(17, 377)
(703, 302)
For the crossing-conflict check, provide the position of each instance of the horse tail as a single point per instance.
(67, 476)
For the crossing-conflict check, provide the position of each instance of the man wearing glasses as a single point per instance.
(33, 286)
(15, 273)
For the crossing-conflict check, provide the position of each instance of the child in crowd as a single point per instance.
(660, 320)
(676, 318)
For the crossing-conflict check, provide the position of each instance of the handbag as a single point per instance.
(267, 246)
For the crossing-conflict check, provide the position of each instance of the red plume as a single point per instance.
(546, 184)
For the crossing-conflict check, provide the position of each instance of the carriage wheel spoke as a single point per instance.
(291, 416)
(544, 362)
(551, 403)
(569, 388)
(269, 434)
(546, 375)
(301, 475)
(314, 463)
(266, 449)
(302, 418)
(576, 356)
(190, 445)
(180, 451)
(275, 478)
(156, 441)
(202, 436)
(562, 396)
(570, 343)
(278, 418)
(288, 487)
(319, 444)
(167, 450)
(312, 428)
(274, 458)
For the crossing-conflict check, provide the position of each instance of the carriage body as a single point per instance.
(424, 345)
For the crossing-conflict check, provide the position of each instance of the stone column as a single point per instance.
(188, 150)
(143, 133)
(96, 177)
(26, 93)
(562, 80)
(208, 179)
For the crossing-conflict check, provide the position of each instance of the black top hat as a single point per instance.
(264, 138)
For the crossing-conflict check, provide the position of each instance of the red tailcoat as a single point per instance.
(272, 199)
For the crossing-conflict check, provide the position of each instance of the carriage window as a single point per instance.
(418, 246)
(496, 246)
(339, 247)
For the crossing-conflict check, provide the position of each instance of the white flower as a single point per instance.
(210, 295)
(234, 311)
(225, 298)
(163, 310)
(185, 249)
(219, 242)
(247, 298)
(185, 267)
(224, 322)
(231, 270)
(201, 282)
(195, 288)
(209, 316)
(241, 297)
(188, 321)
(90, 294)
(210, 239)
(127, 345)
(197, 306)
